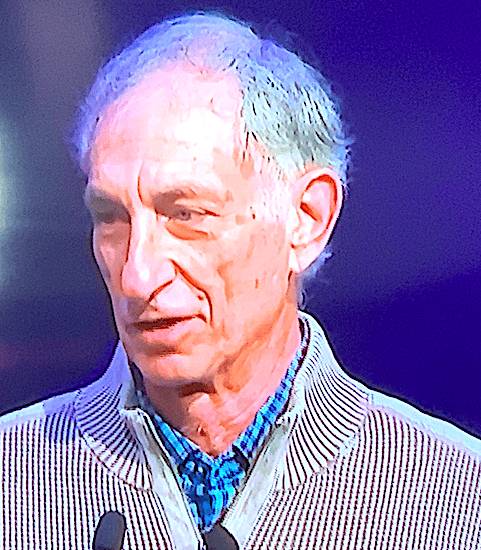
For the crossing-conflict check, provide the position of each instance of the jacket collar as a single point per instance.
(100, 412)
(326, 410)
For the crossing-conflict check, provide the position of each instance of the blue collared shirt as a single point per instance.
(209, 483)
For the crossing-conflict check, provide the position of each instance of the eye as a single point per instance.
(106, 211)
(103, 217)
(108, 216)
(184, 214)
(187, 223)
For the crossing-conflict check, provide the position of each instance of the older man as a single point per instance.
(216, 162)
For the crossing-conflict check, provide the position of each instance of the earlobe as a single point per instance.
(294, 266)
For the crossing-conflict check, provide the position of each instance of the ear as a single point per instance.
(316, 207)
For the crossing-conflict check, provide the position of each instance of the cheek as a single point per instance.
(270, 264)
(257, 263)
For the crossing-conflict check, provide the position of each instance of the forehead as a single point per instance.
(177, 125)
(177, 105)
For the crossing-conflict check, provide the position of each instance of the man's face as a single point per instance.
(196, 270)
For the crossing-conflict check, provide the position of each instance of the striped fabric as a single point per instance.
(344, 468)
(210, 483)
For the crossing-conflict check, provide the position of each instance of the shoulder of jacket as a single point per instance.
(410, 417)
(57, 405)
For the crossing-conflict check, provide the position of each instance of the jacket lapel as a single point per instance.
(99, 411)
(328, 409)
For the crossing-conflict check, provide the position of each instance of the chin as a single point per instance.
(173, 369)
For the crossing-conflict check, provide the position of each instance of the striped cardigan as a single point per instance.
(344, 468)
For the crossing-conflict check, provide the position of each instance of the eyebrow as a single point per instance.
(93, 195)
(190, 190)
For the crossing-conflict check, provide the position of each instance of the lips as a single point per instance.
(157, 324)
(167, 332)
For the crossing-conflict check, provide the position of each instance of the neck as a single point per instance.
(213, 416)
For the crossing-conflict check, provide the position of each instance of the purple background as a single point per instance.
(400, 299)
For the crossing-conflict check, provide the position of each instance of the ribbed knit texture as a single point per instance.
(361, 471)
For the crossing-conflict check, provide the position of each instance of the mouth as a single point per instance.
(165, 332)
(158, 324)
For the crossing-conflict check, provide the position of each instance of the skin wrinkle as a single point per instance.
(239, 282)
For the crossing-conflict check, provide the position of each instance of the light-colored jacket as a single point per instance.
(344, 468)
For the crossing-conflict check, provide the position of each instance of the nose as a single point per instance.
(147, 269)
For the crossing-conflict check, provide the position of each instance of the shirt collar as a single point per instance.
(325, 411)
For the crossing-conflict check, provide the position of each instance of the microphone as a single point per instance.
(110, 532)
(219, 538)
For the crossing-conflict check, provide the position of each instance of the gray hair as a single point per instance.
(287, 105)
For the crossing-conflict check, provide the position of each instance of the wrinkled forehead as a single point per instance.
(193, 101)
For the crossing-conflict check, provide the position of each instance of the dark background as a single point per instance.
(400, 299)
